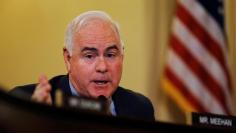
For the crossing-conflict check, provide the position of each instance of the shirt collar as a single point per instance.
(73, 90)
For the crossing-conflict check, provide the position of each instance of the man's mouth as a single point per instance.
(100, 82)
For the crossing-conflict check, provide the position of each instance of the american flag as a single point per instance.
(196, 74)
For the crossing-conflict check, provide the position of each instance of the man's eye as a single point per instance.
(89, 56)
(110, 55)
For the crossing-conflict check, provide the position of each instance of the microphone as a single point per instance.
(106, 103)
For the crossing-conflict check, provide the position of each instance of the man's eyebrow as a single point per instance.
(89, 49)
(112, 47)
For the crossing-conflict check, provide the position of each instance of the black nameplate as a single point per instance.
(81, 103)
(207, 119)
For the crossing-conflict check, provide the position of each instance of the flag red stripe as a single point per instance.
(202, 74)
(184, 90)
(208, 42)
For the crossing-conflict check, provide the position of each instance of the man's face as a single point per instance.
(95, 66)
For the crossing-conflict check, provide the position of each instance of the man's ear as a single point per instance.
(67, 58)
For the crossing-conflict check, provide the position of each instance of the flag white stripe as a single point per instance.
(200, 53)
(202, 16)
(189, 79)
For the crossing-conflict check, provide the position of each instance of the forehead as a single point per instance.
(96, 33)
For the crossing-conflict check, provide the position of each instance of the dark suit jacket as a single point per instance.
(127, 103)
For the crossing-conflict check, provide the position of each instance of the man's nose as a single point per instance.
(101, 65)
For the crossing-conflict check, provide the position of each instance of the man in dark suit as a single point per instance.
(93, 56)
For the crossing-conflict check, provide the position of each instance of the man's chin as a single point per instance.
(100, 93)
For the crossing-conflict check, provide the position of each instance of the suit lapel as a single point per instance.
(62, 83)
(120, 102)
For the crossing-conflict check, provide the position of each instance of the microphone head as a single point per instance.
(102, 98)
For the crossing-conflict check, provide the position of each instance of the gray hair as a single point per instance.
(82, 20)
